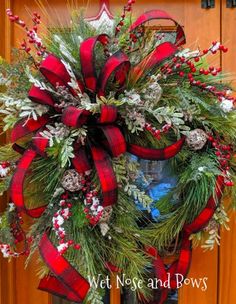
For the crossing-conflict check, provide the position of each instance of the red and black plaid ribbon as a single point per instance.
(66, 282)
(182, 265)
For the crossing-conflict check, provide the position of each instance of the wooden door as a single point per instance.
(202, 26)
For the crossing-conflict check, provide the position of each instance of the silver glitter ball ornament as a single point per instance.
(72, 180)
(196, 139)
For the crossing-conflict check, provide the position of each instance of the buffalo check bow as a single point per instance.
(109, 142)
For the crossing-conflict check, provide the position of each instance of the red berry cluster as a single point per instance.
(5, 164)
(127, 8)
(14, 18)
(224, 154)
(155, 132)
(60, 216)
(33, 38)
(214, 48)
(93, 209)
(187, 68)
(7, 252)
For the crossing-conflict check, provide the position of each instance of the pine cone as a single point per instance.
(196, 139)
(72, 180)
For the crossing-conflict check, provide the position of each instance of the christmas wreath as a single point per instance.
(86, 107)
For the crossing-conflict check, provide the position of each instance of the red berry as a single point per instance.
(193, 70)
(196, 59)
(198, 83)
(201, 71)
(225, 49)
(221, 47)
(210, 138)
(181, 74)
(205, 52)
(77, 246)
(229, 183)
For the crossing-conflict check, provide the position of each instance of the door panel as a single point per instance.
(227, 257)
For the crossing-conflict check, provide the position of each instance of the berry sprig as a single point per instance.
(186, 67)
(5, 168)
(7, 252)
(127, 8)
(224, 154)
(33, 38)
(157, 133)
(59, 218)
(93, 208)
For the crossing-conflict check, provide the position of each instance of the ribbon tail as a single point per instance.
(204, 217)
(157, 154)
(67, 282)
(106, 175)
(183, 264)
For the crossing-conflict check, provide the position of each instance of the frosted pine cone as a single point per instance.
(104, 228)
(72, 180)
(196, 139)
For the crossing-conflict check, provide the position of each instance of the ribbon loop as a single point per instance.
(54, 71)
(160, 15)
(74, 117)
(17, 184)
(118, 62)
(27, 126)
(40, 96)
(108, 114)
(161, 53)
(87, 60)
